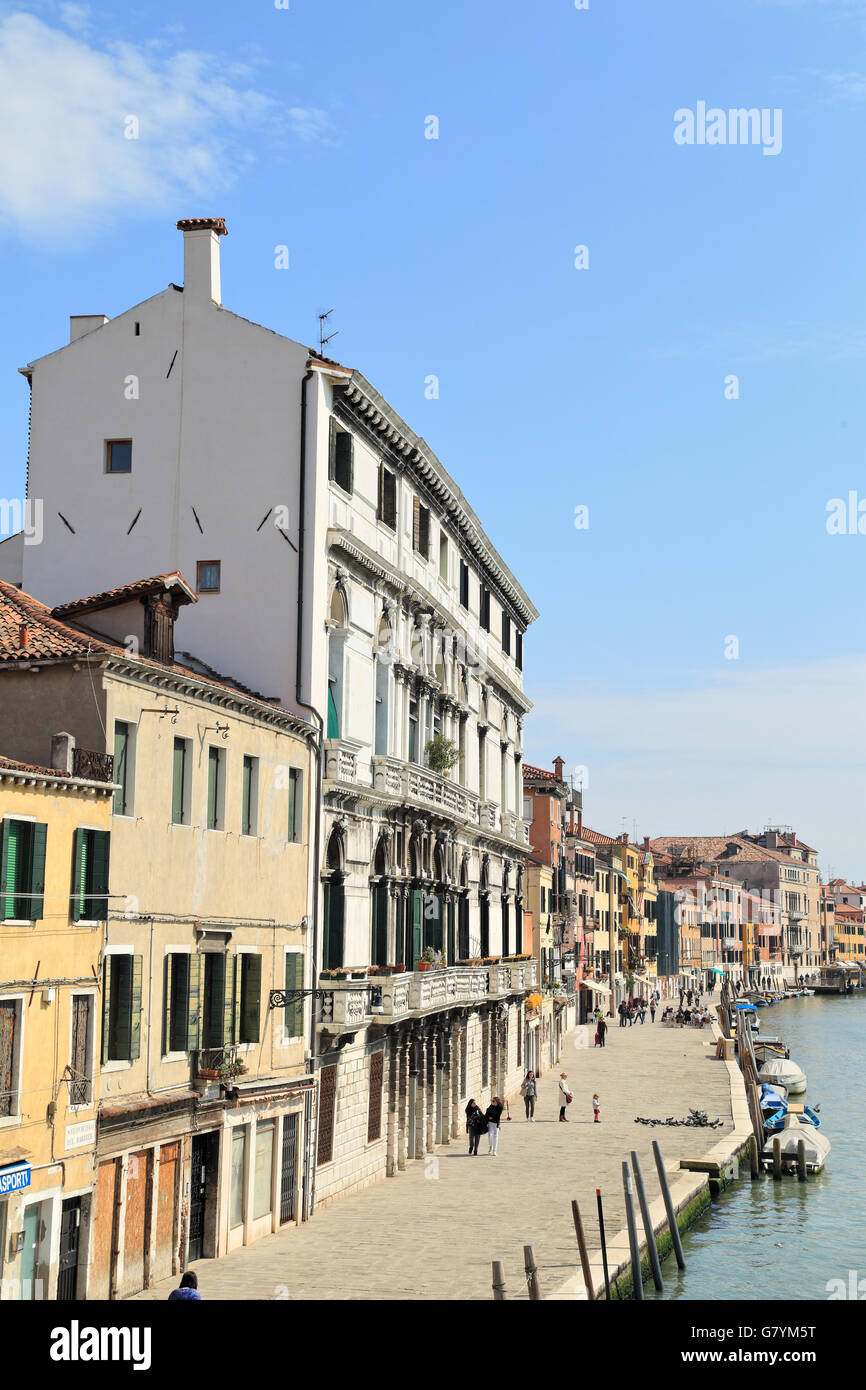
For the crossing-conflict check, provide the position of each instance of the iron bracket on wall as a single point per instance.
(281, 998)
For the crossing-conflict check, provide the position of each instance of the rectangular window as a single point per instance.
(81, 1061)
(218, 1001)
(518, 649)
(178, 999)
(413, 731)
(294, 1015)
(420, 528)
(506, 633)
(484, 617)
(216, 788)
(123, 769)
(387, 508)
(296, 806)
(374, 1111)
(22, 870)
(121, 1008)
(118, 455)
(250, 796)
(90, 858)
(208, 576)
(340, 457)
(249, 1023)
(264, 1172)
(10, 1057)
(181, 779)
(464, 584)
(443, 556)
(238, 1164)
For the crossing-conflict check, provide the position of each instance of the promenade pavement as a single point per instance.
(432, 1231)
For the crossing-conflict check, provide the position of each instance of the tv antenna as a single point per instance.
(323, 340)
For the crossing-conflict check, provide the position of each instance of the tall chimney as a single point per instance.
(201, 256)
(558, 765)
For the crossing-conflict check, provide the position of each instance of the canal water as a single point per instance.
(789, 1240)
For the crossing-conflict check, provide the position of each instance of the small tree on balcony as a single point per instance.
(441, 754)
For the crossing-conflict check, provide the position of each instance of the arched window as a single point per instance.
(379, 944)
(334, 902)
(338, 622)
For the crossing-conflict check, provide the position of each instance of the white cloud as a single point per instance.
(731, 750)
(65, 161)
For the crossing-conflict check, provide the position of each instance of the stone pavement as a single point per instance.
(432, 1231)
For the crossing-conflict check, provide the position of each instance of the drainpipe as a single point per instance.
(308, 1201)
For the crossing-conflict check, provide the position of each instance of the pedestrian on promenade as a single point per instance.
(564, 1095)
(596, 1106)
(643, 1011)
(530, 1091)
(493, 1114)
(632, 1012)
(653, 1009)
(689, 997)
(622, 1011)
(476, 1125)
(602, 1030)
(188, 1288)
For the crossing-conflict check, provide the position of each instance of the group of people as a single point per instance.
(632, 1009)
(488, 1121)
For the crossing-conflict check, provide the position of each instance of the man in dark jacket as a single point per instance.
(601, 1030)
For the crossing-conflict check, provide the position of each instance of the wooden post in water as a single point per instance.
(498, 1282)
(531, 1274)
(777, 1158)
(603, 1243)
(655, 1264)
(753, 1156)
(584, 1254)
(801, 1160)
(637, 1281)
(669, 1206)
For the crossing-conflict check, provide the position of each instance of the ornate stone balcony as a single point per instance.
(349, 1003)
(341, 761)
(429, 789)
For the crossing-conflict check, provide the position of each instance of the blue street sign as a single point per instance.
(14, 1179)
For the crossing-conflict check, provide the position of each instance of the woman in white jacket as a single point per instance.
(564, 1095)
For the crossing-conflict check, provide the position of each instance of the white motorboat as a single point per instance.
(796, 1127)
(781, 1069)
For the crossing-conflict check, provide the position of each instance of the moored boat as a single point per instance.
(796, 1128)
(784, 1070)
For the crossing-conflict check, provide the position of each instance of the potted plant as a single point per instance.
(428, 960)
(441, 754)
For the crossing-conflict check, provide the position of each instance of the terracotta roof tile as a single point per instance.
(12, 765)
(530, 771)
(110, 598)
(193, 224)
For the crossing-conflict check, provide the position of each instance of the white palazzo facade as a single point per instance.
(340, 573)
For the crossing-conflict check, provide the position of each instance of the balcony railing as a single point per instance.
(347, 1002)
(217, 1063)
(91, 766)
(412, 783)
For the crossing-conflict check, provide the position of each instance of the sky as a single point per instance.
(656, 430)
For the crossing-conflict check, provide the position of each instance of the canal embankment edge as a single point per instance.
(690, 1196)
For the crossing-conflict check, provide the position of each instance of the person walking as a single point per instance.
(493, 1114)
(564, 1095)
(602, 1030)
(632, 1011)
(476, 1125)
(530, 1092)
(188, 1288)
(596, 1107)
(643, 1011)
(622, 1011)
(653, 1009)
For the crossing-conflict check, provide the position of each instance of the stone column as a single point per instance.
(420, 1073)
(403, 1098)
(429, 1110)
(393, 1055)
(445, 1082)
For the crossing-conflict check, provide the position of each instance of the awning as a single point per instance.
(597, 989)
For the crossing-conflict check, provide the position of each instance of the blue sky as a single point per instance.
(559, 387)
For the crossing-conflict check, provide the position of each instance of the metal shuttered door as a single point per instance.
(289, 1163)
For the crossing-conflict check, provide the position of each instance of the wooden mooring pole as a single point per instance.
(669, 1206)
(584, 1254)
(531, 1274)
(777, 1158)
(801, 1160)
(498, 1282)
(603, 1243)
(655, 1264)
(754, 1161)
(636, 1280)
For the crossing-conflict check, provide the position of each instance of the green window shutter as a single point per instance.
(37, 872)
(333, 717)
(121, 751)
(213, 768)
(106, 1009)
(252, 999)
(168, 985)
(177, 781)
(247, 790)
(194, 1004)
(8, 845)
(295, 980)
(79, 873)
(100, 842)
(135, 1009)
(293, 790)
(417, 927)
(229, 1001)
(332, 448)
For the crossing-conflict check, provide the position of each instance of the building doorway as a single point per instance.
(67, 1272)
(203, 1195)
